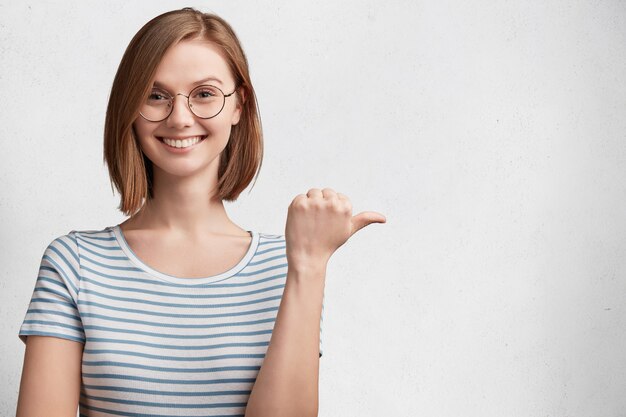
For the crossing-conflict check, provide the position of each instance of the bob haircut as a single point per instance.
(130, 171)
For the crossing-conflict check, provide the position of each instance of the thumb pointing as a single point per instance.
(365, 218)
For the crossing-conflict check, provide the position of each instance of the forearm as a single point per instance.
(287, 383)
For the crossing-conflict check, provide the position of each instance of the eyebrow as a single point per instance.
(211, 78)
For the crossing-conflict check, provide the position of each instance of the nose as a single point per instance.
(181, 115)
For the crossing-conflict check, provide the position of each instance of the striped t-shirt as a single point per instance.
(155, 344)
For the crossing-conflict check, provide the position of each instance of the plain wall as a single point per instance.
(491, 135)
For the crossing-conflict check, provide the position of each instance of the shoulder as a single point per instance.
(271, 244)
(70, 242)
(271, 236)
(269, 240)
(83, 236)
(63, 244)
(91, 232)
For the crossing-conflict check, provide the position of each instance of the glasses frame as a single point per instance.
(171, 99)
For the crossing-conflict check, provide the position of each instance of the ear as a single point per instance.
(241, 99)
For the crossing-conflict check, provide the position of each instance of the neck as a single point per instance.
(184, 207)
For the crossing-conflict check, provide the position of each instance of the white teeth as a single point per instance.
(182, 143)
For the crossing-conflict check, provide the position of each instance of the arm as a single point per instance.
(51, 374)
(287, 383)
(317, 224)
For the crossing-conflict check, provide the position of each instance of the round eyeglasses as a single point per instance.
(205, 101)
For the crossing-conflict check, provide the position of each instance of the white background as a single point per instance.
(491, 134)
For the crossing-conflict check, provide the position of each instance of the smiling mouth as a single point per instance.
(184, 143)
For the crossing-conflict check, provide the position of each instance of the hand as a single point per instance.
(319, 222)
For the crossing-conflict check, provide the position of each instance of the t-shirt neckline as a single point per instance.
(121, 240)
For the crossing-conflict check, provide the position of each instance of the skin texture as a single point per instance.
(183, 207)
(50, 383)
(185, 216)
(318, 223)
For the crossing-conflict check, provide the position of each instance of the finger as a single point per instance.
(315, 193)
(329, 193)
(299, 199)
(365, 218)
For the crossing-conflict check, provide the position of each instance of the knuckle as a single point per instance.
(336, 205)
(318, 205)
(298, 200)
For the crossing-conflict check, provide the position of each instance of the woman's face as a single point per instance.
(182, 66)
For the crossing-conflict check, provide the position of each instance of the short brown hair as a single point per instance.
(130, 171)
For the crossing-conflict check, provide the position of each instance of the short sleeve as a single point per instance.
(53, 308)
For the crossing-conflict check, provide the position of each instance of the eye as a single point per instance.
(158, 95)
(206, 92)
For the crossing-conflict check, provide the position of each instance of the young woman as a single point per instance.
(178, 311)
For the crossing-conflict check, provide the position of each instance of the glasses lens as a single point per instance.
(206, 101)
(157, 105)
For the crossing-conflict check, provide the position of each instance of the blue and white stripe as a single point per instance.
(155, 344)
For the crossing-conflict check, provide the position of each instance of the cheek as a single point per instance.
(215, 128)
(143, 134)
(141, 128)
